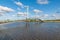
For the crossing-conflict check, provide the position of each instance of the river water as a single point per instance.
(30, 31)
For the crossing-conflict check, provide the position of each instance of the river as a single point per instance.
(30, 31)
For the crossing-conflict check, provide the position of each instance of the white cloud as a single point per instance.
(46, 15)
(13, 15)
(33, 16)
(37, 11)
(19, 4)
(1, 14)
(40, 16)
(5, 9)
(42, 1)
(54, 15)
(22, 14)
(51, 17)
(57, 16)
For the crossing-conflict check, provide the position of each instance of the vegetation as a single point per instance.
(29, 20)
(57, 20)
(33, 20)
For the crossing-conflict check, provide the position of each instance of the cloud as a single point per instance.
(37, 11)
(5, 9)
(42, 1)
(1, 14)
(19, 4)
(57, 16)
(22, 14)
(51, 17)
(13, 15)
(40, 16)
(46, 15)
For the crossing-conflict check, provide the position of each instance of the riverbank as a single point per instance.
(51, 20)
(28, 20)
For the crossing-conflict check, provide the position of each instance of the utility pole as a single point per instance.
(27, 11)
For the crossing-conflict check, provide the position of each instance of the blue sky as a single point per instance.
(42, 9)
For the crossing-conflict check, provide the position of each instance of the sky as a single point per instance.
(20, 9)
